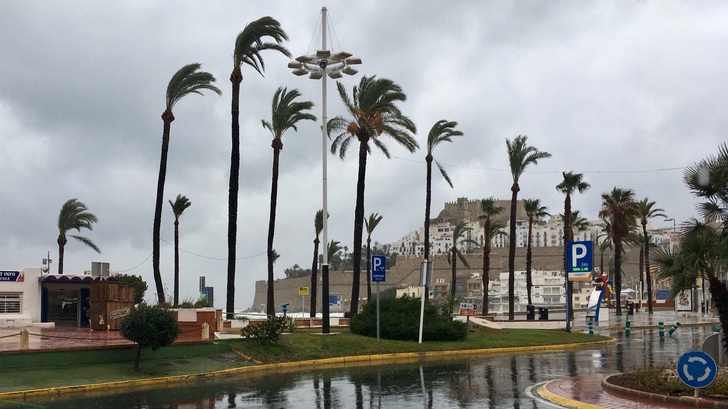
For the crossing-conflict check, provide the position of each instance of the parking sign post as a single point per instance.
(379, 274)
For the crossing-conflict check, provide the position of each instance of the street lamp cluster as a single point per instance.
(319, 66)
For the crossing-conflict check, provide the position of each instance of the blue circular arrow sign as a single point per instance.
(696, 369)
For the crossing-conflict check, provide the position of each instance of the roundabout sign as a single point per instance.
(696, 369)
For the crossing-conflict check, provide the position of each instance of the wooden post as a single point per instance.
(24, 339)
(205, 331)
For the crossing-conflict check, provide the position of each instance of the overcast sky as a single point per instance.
(626, 92)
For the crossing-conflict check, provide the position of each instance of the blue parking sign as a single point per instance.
(379, 273)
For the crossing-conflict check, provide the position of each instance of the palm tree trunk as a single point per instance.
(61, 249)
(235, 78)
(512, 254)
(167, 118)
(618, 274)
(529, 280)
(648, 276)
(270, 300)
(176, 262)
(567, 239)
(454, 278)
(428, 203)
(486, 265)
(719, 294)
(314, 278)
(369, 278)
(358, 226)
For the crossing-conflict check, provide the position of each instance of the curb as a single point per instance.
(655, 397)
(562, 401)
(358, 360)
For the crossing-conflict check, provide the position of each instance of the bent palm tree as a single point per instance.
(490, 229)
(458, 237)
(248, 47)
(374, 113)
(534, 211)
(74, 215)
(371, 223)
(286, 113)
(520, 155)
(645, 210)
(178, 207)
(318, 225)
(572, 183)
(441, 131)
(188, 80)
(618, 208)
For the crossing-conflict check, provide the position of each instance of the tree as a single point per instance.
(286, 113)
(370, 223)
(318, 225)
(534, 211)
(490, 209)
(618, 207)
(572, 183)
(374, 113)
(178, 207)
(458, 237)
(645, 210)
(74, 215)
(188, 80)
(249, 45)
(151, 327)
(441, 131)
(140, 286)
(520, 155)
(708, 180)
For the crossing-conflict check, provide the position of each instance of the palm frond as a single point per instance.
(87, 242)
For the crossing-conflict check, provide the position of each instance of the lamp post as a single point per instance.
(318, 66)
(671, 219)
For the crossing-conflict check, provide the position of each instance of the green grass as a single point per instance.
(309, 345)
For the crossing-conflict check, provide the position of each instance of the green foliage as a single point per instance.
(150, 327)
(399, 319)
(291, 324)
(266, 332)
(140, 286)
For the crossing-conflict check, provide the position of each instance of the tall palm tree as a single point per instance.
(618, 207)
(188, 80)
(374, 113)
(74, 215)
(249, 45)
(535, 212)
(370, 223)
(578, 222)
(645, 210)
(458, 237)
(490, 209)
(318, 225)
(571, 184)
(520, 155)
(441, 131)
(286, 113)
(178, 207)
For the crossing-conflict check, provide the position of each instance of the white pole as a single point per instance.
(377, 311)
(422, 309)
(325, 264)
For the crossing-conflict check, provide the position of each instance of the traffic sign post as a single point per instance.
(303, 291)
(579, 260)
(696, 369)
(379, 275)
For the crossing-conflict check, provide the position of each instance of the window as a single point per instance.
(10, 303)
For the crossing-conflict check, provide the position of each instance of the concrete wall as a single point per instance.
(30, 288)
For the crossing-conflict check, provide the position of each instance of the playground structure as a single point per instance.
(596, 309)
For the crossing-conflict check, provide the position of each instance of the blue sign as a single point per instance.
(379, 274)
(696, 369)
(11, 276)
(579, 260)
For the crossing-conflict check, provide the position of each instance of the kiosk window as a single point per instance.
(10, 303)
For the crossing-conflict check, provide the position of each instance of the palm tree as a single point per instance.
(707, 180)
(490, 209)
(701, 253)
(248, 47)
(520, 155)
(646, 210)
(572, 183)
(286, 113)
(618, 207)
(178, 207)
(318, 225)
(74, 215)
(458, 237)
(188, 80)
(370, 223)
(441, 131)
(534, 211)
(373, 113)
(332, 248)
(578, 222)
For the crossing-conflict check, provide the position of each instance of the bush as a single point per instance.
(266, 332)
(140, 286)
(149, 327)
(400, 319)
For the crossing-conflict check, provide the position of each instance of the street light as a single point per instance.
(318, 66)
(671, 219)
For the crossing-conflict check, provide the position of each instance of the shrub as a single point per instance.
(266, 332)
(400, 319)
(149, 327)
(140, 286)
